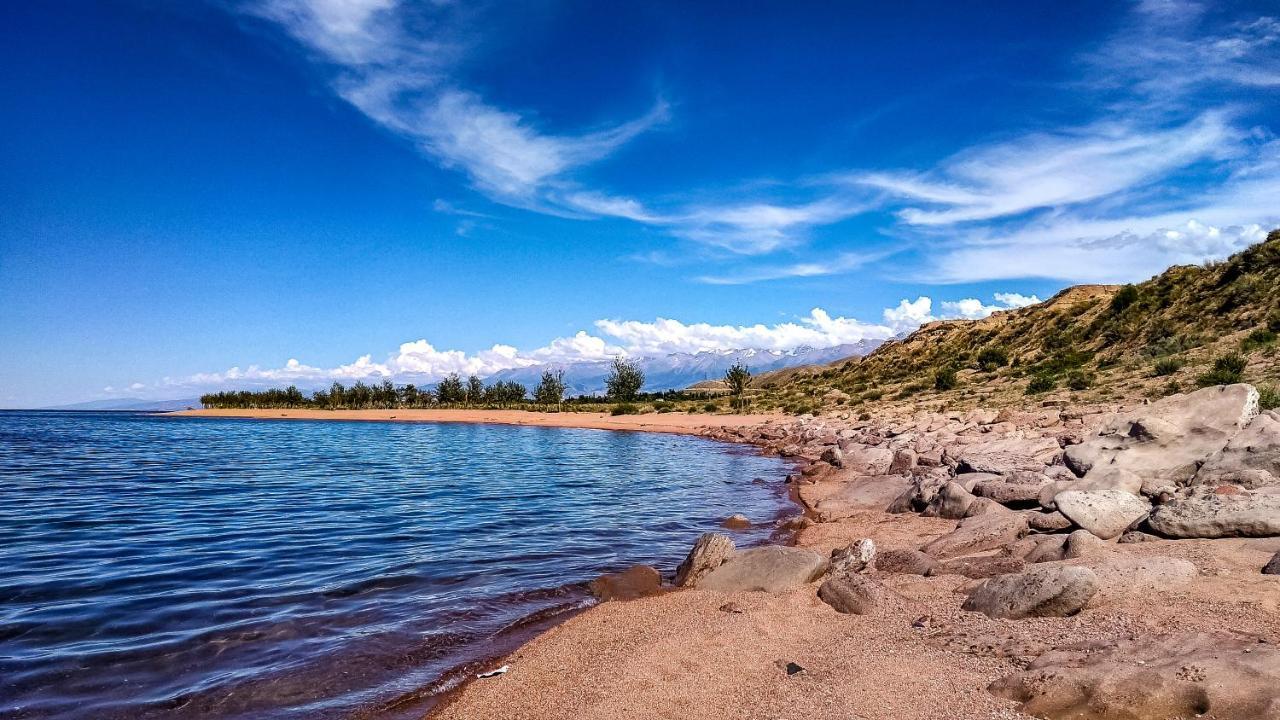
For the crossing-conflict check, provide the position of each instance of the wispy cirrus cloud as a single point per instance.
(838, 265)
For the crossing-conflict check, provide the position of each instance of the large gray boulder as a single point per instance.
(771, 568)
(1008, 455)
(1106, 514)
(979, 533)
(709, 552)
(1105, 478)
(1168, 440)
(1217, 516)
(951, 501)
(864, 460)
(861, 494)
(1042, 591)
(1251, 459)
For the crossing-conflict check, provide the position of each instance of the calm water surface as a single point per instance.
(177, 567)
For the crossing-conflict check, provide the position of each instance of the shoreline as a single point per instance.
(677, 423)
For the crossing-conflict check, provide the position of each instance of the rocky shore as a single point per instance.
(1057, 562)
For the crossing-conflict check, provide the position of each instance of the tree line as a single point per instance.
(623, 384)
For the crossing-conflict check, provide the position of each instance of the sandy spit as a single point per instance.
(681, 423)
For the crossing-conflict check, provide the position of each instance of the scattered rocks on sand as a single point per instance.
(904, 562)
(1179, 676)
(708, 553)
(771, 568)
(852, 558)
(1215, 516)
(977, 534)
(1106, 513)
(1042, 591)
(634, 582)
(852, 594)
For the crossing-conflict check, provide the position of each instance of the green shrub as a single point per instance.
(1166, 366)
(872, 395)
(1227, 370)
(992, 358)
(1273, 322)
(1079, 380)
(1172, 388)
(865, 416)
(710, 407)
(625, 409)
(1256, 339)
(1268, 398)
(1127, 296)
(944, 379)
(1040, 384)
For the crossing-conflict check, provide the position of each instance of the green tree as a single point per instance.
(625, 380)
(550, 390)
(450, 390)
(475, 390)
(737, 378)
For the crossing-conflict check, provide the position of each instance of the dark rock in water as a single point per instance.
(737, 521)
(708, 553)
(852, 594)
(904, 562)
(634, 582)
(1273, 567)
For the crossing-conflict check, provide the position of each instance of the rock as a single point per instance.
(1108, 478)
(1046, 521)
(952, 501)
(904, 562)
(1126, 576)
(795, 522)
(1217, 516)
(852, 558)
(969, 481)
(917, 496)
(1010, 493)
(1272, 567)
(709, 552)
(903, 461)
(771, 568)
(1251, 459)
(833, 455)
(1135, 536)
(980, 566)
(634, 582)
(977, 534)
(1008, 454)
(865, 460)
(859, 495)
(852, 594)
(1050, 548)
(737, 521)
(1042, 591)
(1107, 513)
(1083, 544)
(1185, 675)
(1169, 439)
(732, 608)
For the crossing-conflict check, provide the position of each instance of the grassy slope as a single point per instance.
(1103, 341)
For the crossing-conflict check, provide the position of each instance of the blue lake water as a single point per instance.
(154, 566)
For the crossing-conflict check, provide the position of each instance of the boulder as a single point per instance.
(833, 455)
(1008, 454)
(709, 552)
(1273, 566)
(634, 582)
(852, 594)
(737, 521)
(1042, 591)
(1107, 513)
(1185, 675)
(1019, 494)
(771, 568)
(979, 533)
(859, 495)
(1084, 544)
(852, 558)
(904, 562)
(969, 481)
(917, 495)
(903, 461)
(1251, 459)
(951, 501)
(980, 566)
(1136, 536)
(1217, 516)
(1108, 478)
(1046, 521)
(1169, 439)
(1125, 576)
(865, 460)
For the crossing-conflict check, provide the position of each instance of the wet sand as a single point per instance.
(690, 424)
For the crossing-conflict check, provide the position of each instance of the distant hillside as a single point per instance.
(130, 404)
(677, 371)
(1189, 326)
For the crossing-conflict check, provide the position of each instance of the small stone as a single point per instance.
(733, 608)
(1272, 567)
(852, 558)
(737, 521)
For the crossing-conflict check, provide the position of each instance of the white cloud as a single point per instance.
(845, 262)
(911, 314)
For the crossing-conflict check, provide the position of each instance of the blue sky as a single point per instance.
(230, 194)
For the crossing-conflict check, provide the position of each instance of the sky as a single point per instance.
(226, 194)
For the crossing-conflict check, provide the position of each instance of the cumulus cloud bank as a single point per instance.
(421, 362)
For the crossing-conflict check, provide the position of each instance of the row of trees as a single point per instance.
(623, 384)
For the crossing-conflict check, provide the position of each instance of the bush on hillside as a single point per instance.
(992, 358)
(944, 379)
(1268, 398)
(1079, 380)
(1126, 296)
(1040, 384)
(1227, 370)
(1261, 337)
(1166, 366)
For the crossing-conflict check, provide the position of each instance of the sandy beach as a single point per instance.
(683, 423)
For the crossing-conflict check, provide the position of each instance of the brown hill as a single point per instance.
(1191, 325)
